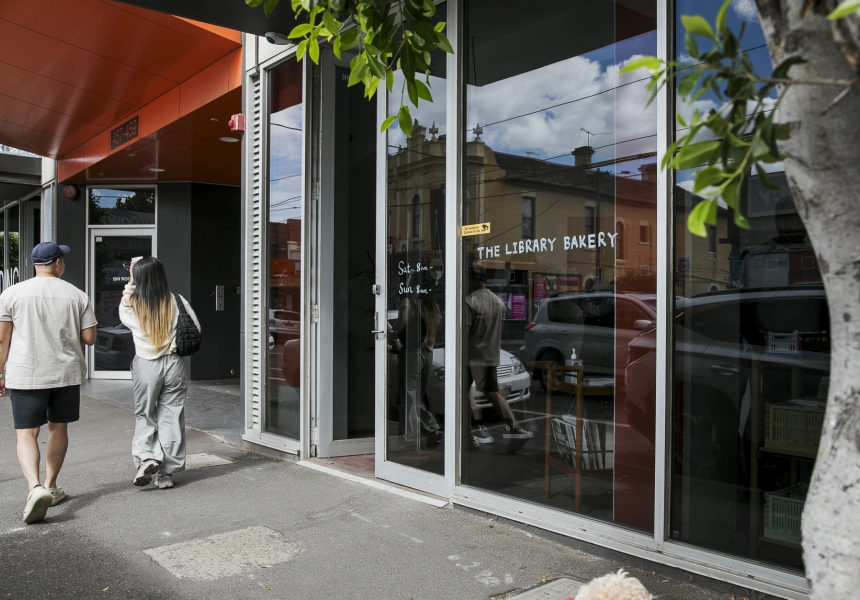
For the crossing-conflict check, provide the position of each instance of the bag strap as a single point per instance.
(180, 304)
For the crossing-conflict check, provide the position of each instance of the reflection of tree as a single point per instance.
(13, 250)
(142, 201)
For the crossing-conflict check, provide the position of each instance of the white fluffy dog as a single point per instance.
(615, 586)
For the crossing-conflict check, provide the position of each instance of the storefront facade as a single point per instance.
(705, 360)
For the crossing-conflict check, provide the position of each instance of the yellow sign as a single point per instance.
(476, 229)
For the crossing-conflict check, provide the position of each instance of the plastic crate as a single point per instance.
(782, 513)
(783, 344)
(793, 428)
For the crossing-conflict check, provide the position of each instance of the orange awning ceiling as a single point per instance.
(73, 70)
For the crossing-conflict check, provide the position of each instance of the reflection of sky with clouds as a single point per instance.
(107, 198)
(285, 164)
(545, 113)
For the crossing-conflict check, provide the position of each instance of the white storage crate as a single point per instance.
(793, 428)
(782, 512)
(783, 344)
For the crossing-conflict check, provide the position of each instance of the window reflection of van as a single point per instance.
(598, 326)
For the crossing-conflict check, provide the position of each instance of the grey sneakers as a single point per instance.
(145, 471)
(164, 481)
(482, 435)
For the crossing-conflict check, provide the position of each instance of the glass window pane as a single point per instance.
(751, 352)
(285, 250)
(416, 279)
(557, 124)
(122, 206)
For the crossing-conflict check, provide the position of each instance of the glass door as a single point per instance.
(347, 266)
(113, 351)
(410, 309)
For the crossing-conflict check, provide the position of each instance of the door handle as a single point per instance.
(725, 371)
(379, 331)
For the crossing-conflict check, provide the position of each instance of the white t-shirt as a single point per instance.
(47, 316)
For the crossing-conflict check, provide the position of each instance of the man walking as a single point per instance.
(484, 314)
(42, 323)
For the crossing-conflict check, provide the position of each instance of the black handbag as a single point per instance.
(187, 335)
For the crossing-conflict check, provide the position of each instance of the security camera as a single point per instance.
(278, 39)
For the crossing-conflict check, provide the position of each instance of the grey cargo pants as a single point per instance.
(160, 387)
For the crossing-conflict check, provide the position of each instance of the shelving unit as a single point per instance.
(814, 362)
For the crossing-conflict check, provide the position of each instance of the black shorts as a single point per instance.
(34, 408)
(485, 377)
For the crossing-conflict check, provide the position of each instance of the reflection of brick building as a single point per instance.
(285, 252)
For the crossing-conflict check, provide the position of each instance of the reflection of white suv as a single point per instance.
(284, 324)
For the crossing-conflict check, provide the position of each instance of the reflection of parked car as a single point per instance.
(716, 336)
(114, 348)
(284, 324)
(598, 326)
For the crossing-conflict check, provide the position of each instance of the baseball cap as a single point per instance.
(47, 252)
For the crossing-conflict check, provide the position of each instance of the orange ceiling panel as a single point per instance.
(70, 69)
(188, 149)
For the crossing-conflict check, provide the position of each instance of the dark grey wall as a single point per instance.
(72, 231)
(199, 242)
(216, 259)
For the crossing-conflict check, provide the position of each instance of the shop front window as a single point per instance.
(285, 250)
(122, 206)
(548, 170)
(751, 354)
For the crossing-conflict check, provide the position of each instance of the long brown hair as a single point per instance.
(152, 301)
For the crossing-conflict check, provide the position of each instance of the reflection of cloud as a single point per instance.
(745, 9)
(545, 111)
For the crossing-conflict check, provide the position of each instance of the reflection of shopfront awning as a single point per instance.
(73, 71)
(234, 14)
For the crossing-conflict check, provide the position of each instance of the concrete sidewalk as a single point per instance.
(259, 528)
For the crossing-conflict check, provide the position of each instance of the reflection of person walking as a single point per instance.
(415, 328)
(484, 316)
(43, 322)
(158, 376)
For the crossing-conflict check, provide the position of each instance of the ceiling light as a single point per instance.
(229, 139)
(156, 170)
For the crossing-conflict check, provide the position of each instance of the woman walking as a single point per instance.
(158, 376)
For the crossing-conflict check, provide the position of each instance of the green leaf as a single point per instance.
(357, 69)
(694, 155)
(330, 22)
(269, 6)
(760, 150)
(844, 9)
(707, 177)
(442, 42)
(691, 46)
(376, 67)
(412, 90)
(688, 83)
(404, 119)
(389, 80)
(387, 123)
(314, 50)
(765, 179)
(440, 26)
(301, 49)
(699, 215)
(300, 30)
(253, 3)
(349, 38)
(652, 63)
(781, 71)
(721, 16)
(697, 25)
(423, 91)
(336, 47)
(370, 90)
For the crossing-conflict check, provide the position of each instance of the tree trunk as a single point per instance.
(823, 170)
